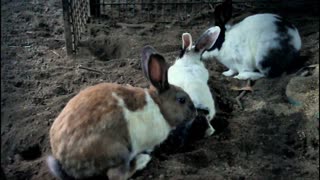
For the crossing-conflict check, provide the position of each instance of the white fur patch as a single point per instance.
(296, 40)
(190, 74)
(147, 127)
(142, 160)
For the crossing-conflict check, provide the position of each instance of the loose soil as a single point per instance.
(275, 135)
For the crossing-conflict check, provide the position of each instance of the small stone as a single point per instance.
(122, 64)
(161, 176)
(10, 160)
(59, 90)
(9, 125)
(18, 84)
(17, 158)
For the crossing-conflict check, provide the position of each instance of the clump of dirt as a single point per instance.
(106, 47)
(275, 136)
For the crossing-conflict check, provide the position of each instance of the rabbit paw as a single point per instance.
(209, 131)
(249, 75)
(228, 73)
(142, 160)
(148, 151)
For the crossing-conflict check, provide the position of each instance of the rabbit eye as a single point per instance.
(181, 100)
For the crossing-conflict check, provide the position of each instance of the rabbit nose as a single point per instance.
(191, 107)
(203, 111)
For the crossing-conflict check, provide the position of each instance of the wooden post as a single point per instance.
(67, 26)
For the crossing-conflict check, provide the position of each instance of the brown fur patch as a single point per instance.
(91, 131)
(172, 111)
(133, 97)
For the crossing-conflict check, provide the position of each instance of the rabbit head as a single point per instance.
(176, 104)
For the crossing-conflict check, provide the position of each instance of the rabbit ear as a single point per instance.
(207, 39)
(147, 51)
(223, 13)
(186, 41)
(155, 68)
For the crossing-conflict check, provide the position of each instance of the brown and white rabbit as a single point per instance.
(106, 128)
(260, 45)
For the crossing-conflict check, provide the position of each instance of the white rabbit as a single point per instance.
(106, 128)
(261, 45)
(189, 73)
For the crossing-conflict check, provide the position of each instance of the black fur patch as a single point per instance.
(183, 136)
(281, 59)
(182, 52)
(220, 40)
(282, 24)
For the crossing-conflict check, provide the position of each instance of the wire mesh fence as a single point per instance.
(79, 14)
(147, 10)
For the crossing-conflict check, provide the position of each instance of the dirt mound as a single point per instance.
(106, 47)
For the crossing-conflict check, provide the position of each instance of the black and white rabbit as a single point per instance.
(190, 73)
(261, 45)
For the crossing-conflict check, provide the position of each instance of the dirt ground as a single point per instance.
(275, 135)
